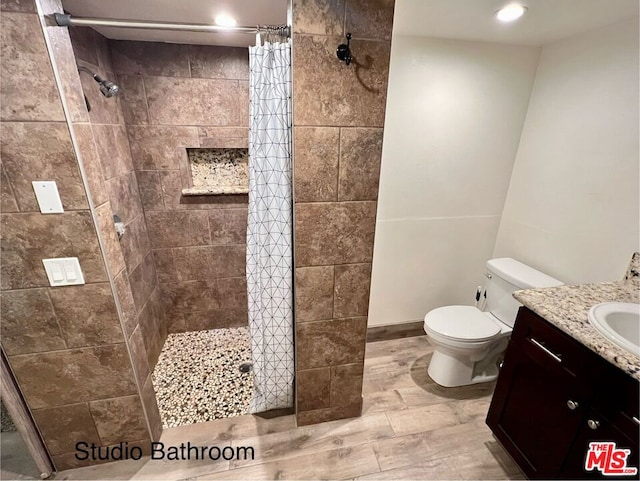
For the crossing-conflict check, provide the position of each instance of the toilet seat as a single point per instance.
(461, 324)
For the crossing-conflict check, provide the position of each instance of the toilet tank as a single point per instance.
(506, 275)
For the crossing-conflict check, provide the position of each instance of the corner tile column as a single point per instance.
(338, 126)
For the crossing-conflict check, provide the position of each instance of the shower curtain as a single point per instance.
(269, 232)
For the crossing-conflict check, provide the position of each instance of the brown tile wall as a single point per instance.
(338, 125)
(178, 96)
(65, 345)
(104, 146)
(104, 140)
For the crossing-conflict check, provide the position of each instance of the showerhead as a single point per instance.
(108, 88)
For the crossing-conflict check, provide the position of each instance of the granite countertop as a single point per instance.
(566, 307)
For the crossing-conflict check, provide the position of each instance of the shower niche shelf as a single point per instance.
(218, 171)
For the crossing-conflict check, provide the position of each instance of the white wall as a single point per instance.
(455, 111)
(572, 209)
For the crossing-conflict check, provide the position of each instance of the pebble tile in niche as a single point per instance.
(198, 377)
(219, 167)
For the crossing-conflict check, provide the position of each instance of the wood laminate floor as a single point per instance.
(411, 428)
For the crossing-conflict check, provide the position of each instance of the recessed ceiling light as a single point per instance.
(511, 12)
(224, 20)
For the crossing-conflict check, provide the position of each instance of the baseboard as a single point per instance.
(395, 331)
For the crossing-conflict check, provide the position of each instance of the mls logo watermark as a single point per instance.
(609, 460)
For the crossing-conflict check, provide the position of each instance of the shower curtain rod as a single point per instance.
(66, 20)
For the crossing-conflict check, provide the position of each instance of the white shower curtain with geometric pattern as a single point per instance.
(269, 232)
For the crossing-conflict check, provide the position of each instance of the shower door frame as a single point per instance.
(21, 417)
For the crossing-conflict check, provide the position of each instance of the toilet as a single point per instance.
(469, 342)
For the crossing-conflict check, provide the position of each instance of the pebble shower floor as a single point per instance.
(197, 378)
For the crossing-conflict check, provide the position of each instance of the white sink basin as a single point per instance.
(619, 322)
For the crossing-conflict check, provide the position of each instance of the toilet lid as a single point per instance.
(465, 323)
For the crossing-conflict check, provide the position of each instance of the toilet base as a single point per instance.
(452, 370)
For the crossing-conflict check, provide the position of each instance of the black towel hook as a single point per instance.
(344, 51)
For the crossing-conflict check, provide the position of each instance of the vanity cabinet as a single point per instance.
(549, 389)
(610, 418)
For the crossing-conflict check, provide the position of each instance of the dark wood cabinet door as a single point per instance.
(530, 415)
(615, 413)
(598, 428)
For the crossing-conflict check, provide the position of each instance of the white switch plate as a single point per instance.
(63, 271)
(48, 196)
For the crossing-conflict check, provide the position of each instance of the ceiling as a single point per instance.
(246, 13)
(545, 21)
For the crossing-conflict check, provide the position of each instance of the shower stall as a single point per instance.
(195, 192)
(204, 185)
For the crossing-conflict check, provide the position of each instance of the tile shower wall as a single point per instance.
(65, 345)
(338, 124)
(104, 147)
(174, 97)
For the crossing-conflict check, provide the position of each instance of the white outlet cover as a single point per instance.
(48, 196)
(63, 271)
